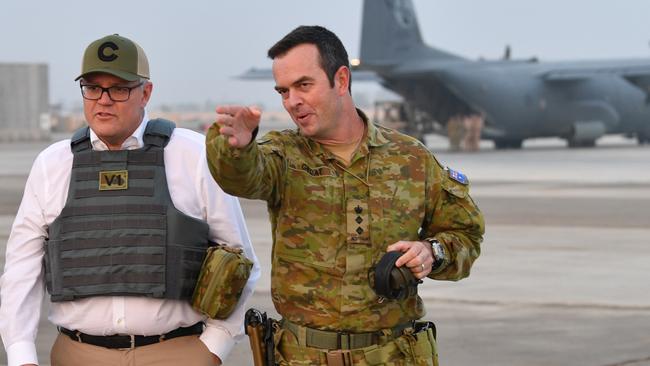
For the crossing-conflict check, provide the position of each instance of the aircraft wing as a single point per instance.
(267, 74)
(641, 81)
(584, 72)
(256, 74)
(637, 75)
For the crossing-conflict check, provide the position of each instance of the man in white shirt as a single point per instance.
(115, 223)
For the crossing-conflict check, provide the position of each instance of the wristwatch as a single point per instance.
(439, 256)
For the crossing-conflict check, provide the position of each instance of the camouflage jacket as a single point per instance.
(331, 223)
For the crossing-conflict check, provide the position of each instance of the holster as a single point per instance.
(259, 329)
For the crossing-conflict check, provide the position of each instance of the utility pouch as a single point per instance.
(419, 345)
(223, 275)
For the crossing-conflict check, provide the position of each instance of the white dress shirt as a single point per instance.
(193, 191)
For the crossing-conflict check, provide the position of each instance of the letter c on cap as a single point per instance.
(101, 51)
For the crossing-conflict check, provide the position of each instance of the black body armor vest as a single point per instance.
(119, 232)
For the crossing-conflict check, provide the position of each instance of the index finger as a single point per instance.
(229, 109)
(250, 112)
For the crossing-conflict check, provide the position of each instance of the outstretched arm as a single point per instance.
(237, 123)
(240, 166)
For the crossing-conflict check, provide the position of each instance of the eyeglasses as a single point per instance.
(115, 93)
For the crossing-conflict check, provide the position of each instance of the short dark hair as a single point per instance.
(330, 48)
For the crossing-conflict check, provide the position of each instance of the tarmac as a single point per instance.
(563, 278)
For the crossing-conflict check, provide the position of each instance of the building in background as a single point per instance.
(24, 102)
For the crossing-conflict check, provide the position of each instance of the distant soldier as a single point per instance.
(473, 126)
(115, 223)
(455, 132)
(341, 193)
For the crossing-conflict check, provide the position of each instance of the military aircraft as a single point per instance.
(579, 101)
(519, 99)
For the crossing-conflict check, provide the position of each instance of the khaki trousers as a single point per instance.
(185, 351)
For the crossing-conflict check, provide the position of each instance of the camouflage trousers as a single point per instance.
(409, 349)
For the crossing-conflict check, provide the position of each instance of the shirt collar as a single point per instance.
(134, 141)
(373, 138)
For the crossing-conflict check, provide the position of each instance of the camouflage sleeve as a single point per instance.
(253, 172)
(455, 221)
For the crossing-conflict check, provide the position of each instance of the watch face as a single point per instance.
(438, 254)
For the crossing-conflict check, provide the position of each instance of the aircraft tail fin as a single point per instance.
(390, 34)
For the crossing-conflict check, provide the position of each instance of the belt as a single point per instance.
(130, 341)
(342, 340)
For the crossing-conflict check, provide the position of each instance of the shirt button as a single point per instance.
(120, 321)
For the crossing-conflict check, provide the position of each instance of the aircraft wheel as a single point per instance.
(582, 143)
(508, 143)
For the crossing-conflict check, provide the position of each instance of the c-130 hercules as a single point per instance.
(577, 101)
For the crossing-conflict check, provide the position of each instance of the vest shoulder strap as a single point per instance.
(80, 140)
(158, 132)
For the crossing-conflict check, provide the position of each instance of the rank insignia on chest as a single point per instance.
(113, 180)
(458, 176)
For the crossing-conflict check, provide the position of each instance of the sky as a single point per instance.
(197, 47)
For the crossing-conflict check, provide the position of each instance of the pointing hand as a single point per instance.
(238, 123)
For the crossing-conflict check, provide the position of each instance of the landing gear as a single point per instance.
(508, 143)
(581, 143)
(643, 137)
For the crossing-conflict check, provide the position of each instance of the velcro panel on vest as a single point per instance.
(113, 250)
(111, 223)
(135, 157)
(133, 174)
(113, 210)
(119, 264)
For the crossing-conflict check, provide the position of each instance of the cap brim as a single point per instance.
(120, 74)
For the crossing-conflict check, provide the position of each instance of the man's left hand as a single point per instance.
(418, 256)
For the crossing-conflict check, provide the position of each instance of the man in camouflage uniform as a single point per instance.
(341, 192)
